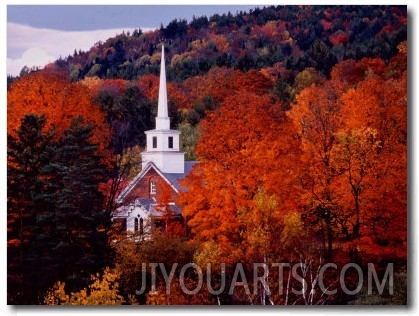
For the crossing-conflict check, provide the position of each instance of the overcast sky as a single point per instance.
(39, 34)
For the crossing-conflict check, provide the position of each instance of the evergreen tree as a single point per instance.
(27, 154)
(56, 226)
(78, 222)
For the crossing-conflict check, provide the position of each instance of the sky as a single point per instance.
(39, 34)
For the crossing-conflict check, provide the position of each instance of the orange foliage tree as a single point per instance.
(52, 94)
(317, 113)
(246, 146)
(354, 137)
(220, 82)
(372, 155)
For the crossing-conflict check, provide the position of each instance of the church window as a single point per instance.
(141, 226)
(153, 189)
(170, 141)
(154, 141)
(136, 224)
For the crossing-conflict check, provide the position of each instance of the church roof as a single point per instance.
(155, 212)
(174, 178)
(146, 202)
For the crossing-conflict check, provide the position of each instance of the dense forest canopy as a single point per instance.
(297, 115)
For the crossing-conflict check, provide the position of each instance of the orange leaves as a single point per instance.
(149, 86)
(222, 82)
(317, 116)
(50, 93)
(378, 103)
(247, 145)
(381, 105)
(354, 134)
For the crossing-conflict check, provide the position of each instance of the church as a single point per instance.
(150, 197)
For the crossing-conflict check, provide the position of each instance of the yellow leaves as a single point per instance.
(220, 42)
(260, 222)
(361, 141)
(131, 160)
(56, 295)
(209, 252)
(306, 78)
(103, 290)
(293, 230)
(93, 83)
(155, 59)
(402, 47)
(177, 60)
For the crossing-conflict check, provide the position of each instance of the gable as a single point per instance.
(141, 187)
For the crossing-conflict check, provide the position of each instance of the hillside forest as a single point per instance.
(298, 118)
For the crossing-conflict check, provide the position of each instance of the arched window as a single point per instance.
(136, 224)
(141, 226)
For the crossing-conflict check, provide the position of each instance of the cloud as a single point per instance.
(33, 56)
(29, 46)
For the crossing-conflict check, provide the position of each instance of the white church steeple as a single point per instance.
(162, 142)
(162, 119)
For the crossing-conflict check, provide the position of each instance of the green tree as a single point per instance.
(78, 224)
(57, 229)
(27, 154)
(188, 138)
(321, 58)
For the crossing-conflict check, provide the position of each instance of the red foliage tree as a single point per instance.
(52, 94)
(245, 147)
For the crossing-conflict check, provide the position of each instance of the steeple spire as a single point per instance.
(162, 119)
(163, 144)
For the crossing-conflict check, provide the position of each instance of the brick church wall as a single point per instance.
(142, 188)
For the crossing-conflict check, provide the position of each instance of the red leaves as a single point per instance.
(353, 131)
(339, 37)
(52, 94)
(246, 146)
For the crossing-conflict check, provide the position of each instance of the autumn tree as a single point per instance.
(352, 128)
(134, 260)
(246, 146)
(168, 214)
(262, 227)
(372, 158)
(52, 94)
(317, 113)
(102, 290)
